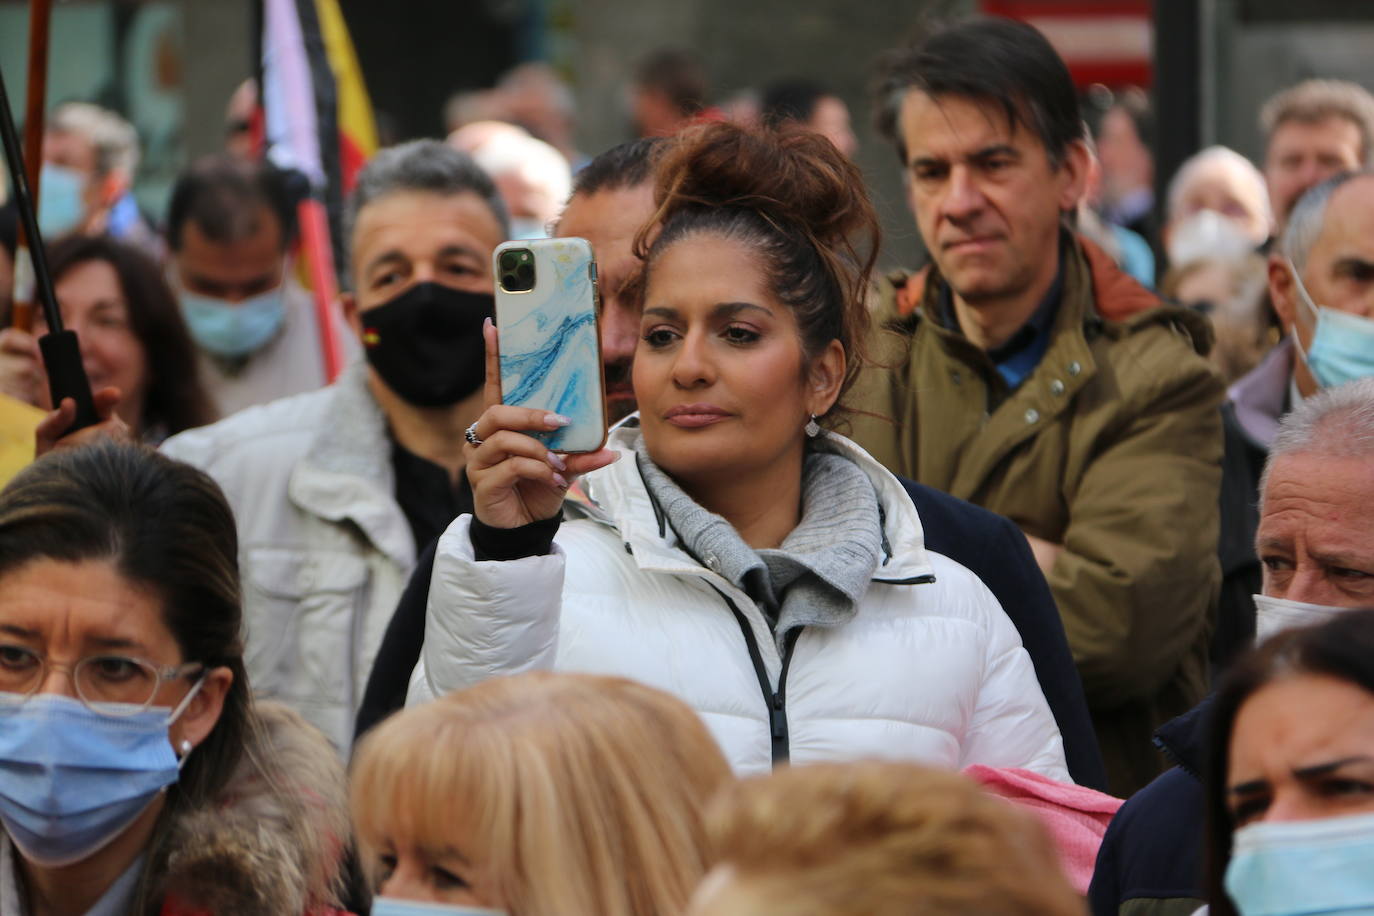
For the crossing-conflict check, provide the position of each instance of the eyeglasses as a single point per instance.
(112, 685)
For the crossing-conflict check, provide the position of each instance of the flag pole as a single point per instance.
(35, 95)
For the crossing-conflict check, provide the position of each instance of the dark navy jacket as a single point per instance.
(988, 544)
(1151, 860)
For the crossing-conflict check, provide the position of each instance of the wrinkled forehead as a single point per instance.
(1316, 497)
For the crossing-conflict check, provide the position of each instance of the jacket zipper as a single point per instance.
(776, 701)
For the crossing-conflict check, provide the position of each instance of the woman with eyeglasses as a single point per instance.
(136, 774)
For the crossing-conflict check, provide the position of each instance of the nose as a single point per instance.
(692, 364)
(423, 272)
(1310, 585)
(406, 883)
(57, 678)
(963, 198)
(1290, 803)
(619, 331)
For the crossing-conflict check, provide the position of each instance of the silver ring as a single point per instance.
(470, 434)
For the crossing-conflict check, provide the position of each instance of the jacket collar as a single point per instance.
(347, 472)
(618, 497)
(1260, 396)
(1099, 299)
(1184, 739)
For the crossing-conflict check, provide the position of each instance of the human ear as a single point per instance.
(1074, 168)
(203, 712)
(824, 378)
(1282, 291)
(349, 303)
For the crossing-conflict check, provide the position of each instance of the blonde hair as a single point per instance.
(584, 794)
(882, 838)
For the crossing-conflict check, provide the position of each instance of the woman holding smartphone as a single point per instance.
(769, 573)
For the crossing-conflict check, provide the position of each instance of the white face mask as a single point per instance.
(1274, 615)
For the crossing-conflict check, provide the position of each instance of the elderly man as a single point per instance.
(1321, 282)
(1028, 375)
(90, 157)
(1316, 537)
(337, 489)
(1314, 130)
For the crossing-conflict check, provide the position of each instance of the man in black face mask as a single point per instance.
(336, 490)
(611, 198)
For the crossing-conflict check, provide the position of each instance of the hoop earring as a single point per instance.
(813, 429)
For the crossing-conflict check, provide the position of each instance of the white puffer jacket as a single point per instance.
(930, 669)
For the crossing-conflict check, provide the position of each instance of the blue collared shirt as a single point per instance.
(1017, 358)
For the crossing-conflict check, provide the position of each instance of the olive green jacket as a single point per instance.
(1111, 448)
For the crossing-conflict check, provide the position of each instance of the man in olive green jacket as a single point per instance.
(1025, 373)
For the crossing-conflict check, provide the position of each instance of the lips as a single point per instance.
(974, 243)
(695, 416)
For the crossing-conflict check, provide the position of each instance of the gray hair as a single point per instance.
(114, 139)
(1338, 422)
(428, 166)
(1308, 216)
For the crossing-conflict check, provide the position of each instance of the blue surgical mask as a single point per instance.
(72, 779)
(1342, 347)
(392, 906)
(60, 200)
(528, 227)
(1293, 867)
(234, 329)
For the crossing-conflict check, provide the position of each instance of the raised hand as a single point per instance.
(515, 478)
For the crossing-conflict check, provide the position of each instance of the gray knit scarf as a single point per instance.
(818, 575)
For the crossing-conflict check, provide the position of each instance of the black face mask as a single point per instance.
(426, 344)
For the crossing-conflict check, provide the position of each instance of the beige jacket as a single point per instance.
(1111, 448)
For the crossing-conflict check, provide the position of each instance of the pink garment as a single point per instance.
(1075, 817)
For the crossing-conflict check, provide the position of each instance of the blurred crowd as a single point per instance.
(1036, 578)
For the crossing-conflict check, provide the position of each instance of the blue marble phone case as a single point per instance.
(550, 352)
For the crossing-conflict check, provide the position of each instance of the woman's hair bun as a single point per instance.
(793, 177)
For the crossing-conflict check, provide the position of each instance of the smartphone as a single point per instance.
(549, 344)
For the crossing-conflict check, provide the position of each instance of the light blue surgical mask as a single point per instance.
(234, 329)
(1295, 867)
(528, 227)
(60, 200)
(72, 779)
(1342, 348)
(392, 906)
